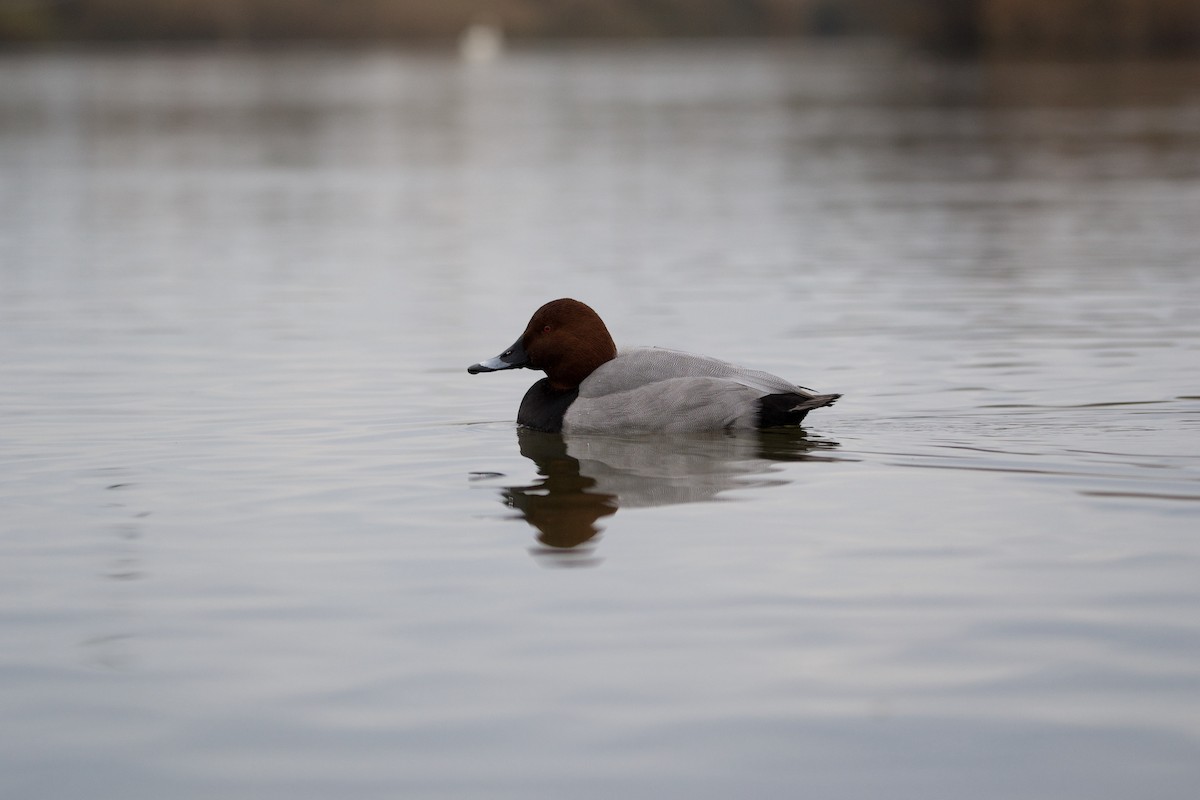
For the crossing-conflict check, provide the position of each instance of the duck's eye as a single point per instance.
(546, 329)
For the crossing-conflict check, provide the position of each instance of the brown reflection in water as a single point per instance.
(560, 505)
(587, 478)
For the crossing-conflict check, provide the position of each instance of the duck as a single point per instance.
(592, 388)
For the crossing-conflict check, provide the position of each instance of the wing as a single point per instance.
(675, 405)
(644, 366)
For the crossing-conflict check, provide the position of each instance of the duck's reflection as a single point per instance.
(586, 478)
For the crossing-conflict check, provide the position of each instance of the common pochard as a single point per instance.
(591, 388)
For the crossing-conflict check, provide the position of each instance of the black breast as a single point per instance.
(544, 406)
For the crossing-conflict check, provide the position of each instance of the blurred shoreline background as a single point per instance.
(1082, 29)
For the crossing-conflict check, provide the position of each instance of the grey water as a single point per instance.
(262, 536)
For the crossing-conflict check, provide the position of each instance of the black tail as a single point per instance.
(789, 408)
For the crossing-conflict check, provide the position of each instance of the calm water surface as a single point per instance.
(261, 536)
